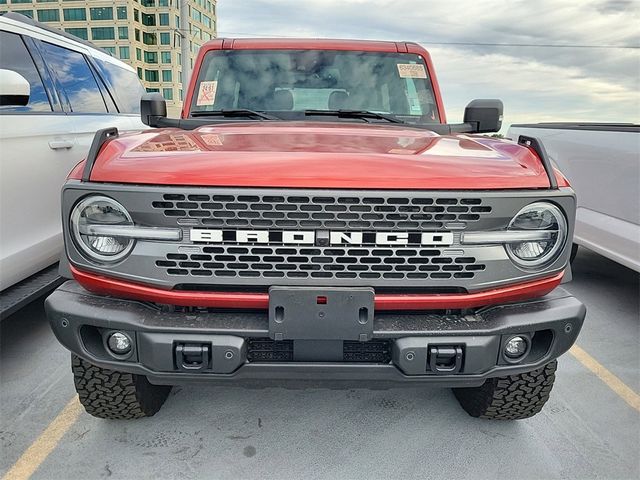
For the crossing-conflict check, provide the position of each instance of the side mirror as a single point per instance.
(14, 89)
(484, 115)
(152, 108)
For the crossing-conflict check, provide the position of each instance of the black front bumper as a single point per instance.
(451, 350)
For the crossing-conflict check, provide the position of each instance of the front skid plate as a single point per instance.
(329, 313)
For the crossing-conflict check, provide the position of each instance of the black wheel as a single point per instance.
(509, 398)
(107, 393)
(574, 252)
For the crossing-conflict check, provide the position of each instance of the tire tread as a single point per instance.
(111, 394)
(514, 397)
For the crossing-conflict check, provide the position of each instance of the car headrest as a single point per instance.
(338, 100)
(281, 100)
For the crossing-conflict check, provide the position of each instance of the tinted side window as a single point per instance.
(15, 56)
(127, 87)
(75, 79)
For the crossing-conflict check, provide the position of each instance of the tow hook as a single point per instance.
(193, 356)
(445, 360)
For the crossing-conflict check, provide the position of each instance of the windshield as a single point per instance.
(282, 81)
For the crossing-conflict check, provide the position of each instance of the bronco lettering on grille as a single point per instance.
(320, 237)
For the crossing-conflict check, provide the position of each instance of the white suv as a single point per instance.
(56, 91)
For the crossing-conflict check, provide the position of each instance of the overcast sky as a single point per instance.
(536, 84)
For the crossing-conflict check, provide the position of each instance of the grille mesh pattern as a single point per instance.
(268, 350)
(226, 261)
(292, 212)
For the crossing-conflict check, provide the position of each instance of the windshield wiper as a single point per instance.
(236, 112)
(364, 114)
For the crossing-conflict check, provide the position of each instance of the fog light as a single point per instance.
(515, 347)
(119, 343)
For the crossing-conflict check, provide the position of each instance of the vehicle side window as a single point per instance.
(15, 56)
(125, 84)
(75, 79)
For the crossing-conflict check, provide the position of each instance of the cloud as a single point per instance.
(536, 83)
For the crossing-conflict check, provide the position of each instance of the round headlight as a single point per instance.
(539, 216)
(100, 210)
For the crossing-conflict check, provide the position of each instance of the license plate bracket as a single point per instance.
(316, 313)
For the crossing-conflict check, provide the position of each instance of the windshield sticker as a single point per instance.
(207, 93)
(411, 70)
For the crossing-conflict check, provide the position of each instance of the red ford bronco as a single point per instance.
(313, 219)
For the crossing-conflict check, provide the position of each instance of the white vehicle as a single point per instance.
(56, 91)
(602, 163)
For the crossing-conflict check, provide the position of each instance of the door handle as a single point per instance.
(60, 144)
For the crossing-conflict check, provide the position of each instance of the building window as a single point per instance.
(181, 95)
(124, 53)
(111, 50)
(196, 15)
(165, 57)
(148, 3)
(149, 19)
(78, 32)
(74, 14)
(123, 33)
(149, 38)
(49, 15)
(177, 21)
(139, 72)
(122, 13)
(138, 54)
(163, 18)
(207, 21)
(41, 1)
(167, 76)
(136, 15)
(163, 3)
(167, 93)
(101, 13)
(151, 57)
(165, 38)
(27, 13)
(21, 1)
(153, 90)
(103, 33)
(151, 75)
(137, 35)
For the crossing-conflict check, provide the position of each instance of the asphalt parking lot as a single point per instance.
(589, 429)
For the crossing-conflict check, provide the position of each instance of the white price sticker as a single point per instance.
(207, 93)
(411, 70)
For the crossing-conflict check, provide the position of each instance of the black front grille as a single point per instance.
(374, 351)
(296, 262)
(322, 212)
(267, 350)
(261, 350)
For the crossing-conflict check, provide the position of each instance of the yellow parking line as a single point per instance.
(39, 450)
(613, 382)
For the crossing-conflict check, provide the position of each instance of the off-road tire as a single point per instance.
(509, 398)
(110, 394)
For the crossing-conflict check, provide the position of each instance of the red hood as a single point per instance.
(317, 155)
